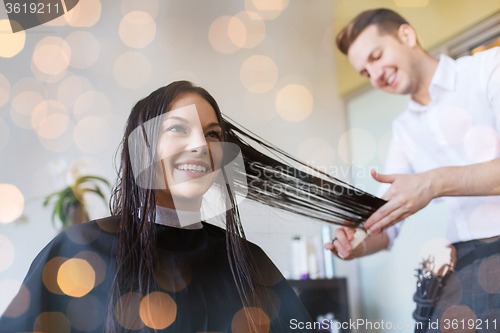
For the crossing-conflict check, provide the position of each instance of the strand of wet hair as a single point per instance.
(276, 183)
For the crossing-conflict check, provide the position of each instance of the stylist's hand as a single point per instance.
(407, 195)
(342, 245)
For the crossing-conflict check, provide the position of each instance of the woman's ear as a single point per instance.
(407, 35)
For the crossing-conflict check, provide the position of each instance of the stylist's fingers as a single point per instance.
(349, 233)
(388, 221)
(340, 243)
(380, 214)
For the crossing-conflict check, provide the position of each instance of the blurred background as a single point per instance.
(67, 87)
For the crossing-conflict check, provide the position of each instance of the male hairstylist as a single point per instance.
(446, 144)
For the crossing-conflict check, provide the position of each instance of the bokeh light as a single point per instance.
(240, 323)
(317, 152)
(27, 84)
(173, 279)
(9, 289)
(72, 88)
(454, 132)
(246, 29)
(218, 34)
(482, 144)
(10, 43)
(137, 29)
(50, 119)
(458, 314)
(60, 143)
(85, 313)
(96, 262)
(7, 250)
(44, 77)
(76, 277)
(23, 106)
(4, 133)
(11, 203)
(53, 322)
(174, 42)
(20, 296)
(359, 138)
(267, 9)
(158, 310)
(4, 90)
(261, 107)
(127, 311)
(55, 22)
(441, 254)
(452, 294)
(148, 6)
(131, 70)
(92, 134)
(84, 47)
(49, 276)
(92, 103)
(52, 55)
(108, 225)
(79, 237)
(484, 217)
(86, 14)
(488, 274)
(272, 309)
(259, 74)
(294, 103)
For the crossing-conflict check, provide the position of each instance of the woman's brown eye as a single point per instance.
(214, 134)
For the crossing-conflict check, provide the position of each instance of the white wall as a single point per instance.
(300, 43)
(387, 279)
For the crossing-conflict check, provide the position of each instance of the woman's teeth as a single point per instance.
(191, 167)
(391, 78)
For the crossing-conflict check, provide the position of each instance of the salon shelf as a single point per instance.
(323, 296)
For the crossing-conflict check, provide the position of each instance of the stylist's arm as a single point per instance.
(410, 193)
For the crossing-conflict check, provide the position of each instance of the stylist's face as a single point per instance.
(388, 61)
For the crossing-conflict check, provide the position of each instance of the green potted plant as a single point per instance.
(69, 204)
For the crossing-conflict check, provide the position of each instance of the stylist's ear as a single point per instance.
(407, 35)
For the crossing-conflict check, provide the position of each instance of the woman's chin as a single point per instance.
(189, 193)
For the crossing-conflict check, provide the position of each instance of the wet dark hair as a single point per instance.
(317, 196)
(136, 250)
(386, 20)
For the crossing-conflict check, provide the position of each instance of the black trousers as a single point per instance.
(469, 300)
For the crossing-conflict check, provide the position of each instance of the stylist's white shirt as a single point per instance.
(460, 126)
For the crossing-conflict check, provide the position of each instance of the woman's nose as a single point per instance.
(197, 143)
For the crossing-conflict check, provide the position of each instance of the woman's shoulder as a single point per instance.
(96, 235)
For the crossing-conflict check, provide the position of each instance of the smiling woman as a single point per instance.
(154, 263)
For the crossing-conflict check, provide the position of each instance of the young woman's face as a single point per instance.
(189, 146)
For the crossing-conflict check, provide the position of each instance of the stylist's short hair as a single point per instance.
(386, 20)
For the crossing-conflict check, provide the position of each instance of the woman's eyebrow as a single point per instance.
(213, 125)
(178, 118)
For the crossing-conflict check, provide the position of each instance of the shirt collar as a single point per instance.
(178, 218)
(443, 78)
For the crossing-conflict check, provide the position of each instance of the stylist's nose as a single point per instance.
(376, 75)
(197, 143)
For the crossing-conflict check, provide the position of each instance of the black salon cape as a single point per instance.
(196, 259)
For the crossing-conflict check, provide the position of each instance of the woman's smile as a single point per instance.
(193, 168)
